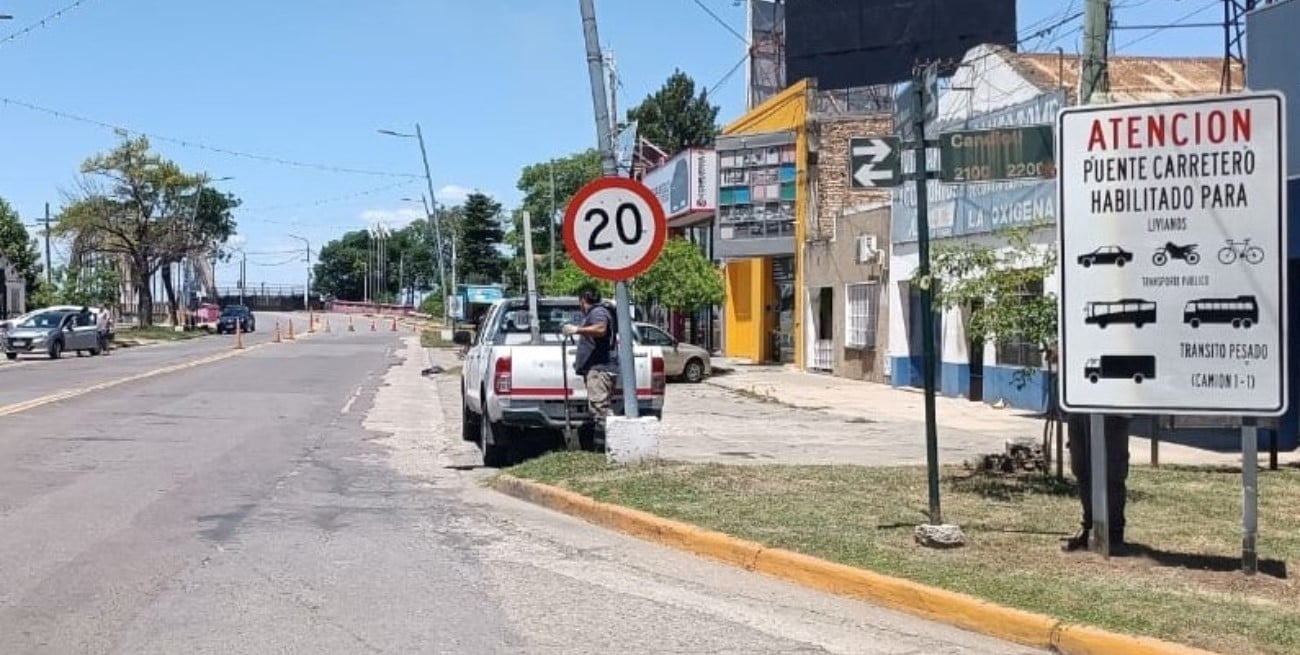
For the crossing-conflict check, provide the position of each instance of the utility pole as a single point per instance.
(609, 165)
(1094, 87)
(306, 301)
(243, 275)
(613, 93)
(550, 224)
(49, 263)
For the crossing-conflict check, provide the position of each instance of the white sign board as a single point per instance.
(1172, 257)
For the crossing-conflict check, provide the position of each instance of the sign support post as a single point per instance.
(609, 165)
(1249, 495)
(1097, 468)
(927, 295)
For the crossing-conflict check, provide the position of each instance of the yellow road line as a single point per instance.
(19, 407)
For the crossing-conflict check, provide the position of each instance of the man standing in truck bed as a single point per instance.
(596, 360)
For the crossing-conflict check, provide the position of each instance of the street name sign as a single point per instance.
(873, 162)
(1172, 236)
(1008, 153)
(614, 228)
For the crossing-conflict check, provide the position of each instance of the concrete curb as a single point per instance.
(968, 612)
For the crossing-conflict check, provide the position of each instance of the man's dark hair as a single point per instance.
(590, 296)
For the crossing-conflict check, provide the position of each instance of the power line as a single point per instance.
(41, 23)
(202, 146)
(723, 80)
(330, 201)
(1177, 22)
(723, 23)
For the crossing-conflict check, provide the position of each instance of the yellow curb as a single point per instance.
(19, 407)
(961, 610)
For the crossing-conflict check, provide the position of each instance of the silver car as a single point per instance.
(52, 333)
(681, 360)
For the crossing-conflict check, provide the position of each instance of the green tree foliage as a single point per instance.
(92, 286)
(140, 207)
(569, 280)
(674, 117)
(682, 279)
(340, 269)
(478, 237)
(1002, 284)
(203, 224)
(19, 248)
(570, 174)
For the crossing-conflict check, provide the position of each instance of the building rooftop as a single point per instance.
(1131, 78)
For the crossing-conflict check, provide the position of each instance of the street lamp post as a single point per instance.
(306, 303)
(433, 218)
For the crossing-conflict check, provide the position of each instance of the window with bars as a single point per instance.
(860, 313)
(1014, 349)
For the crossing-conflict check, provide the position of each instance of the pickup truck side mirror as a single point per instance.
(461, 337)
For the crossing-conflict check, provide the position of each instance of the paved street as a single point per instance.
(315, 498)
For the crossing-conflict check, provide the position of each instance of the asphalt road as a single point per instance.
(314, 497)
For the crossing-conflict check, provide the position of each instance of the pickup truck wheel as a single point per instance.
(694, 371)
(495, 454)
(469, 424)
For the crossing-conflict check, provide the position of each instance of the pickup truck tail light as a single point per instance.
(501, 377)
(658, 380)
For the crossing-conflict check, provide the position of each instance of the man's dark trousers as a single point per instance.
(1116, 443)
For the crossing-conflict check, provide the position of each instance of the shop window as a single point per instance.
(861, 306)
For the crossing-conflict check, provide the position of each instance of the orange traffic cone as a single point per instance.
(394, 328)
(290, 335)
(239, 336)
(351, 327)
(276, 339)
(372, 325)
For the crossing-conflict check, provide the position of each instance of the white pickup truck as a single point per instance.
(514, 390)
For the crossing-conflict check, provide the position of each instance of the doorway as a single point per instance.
(975, 355)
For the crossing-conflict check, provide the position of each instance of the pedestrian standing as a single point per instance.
(1116, 430)
(596, 360)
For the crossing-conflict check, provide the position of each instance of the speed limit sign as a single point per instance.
(614, 228)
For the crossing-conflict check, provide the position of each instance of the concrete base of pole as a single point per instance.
(631, 440)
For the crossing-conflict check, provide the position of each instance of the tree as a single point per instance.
(202, 223)
(137, 206)
(674, 118)
(341, 266)
(19, 248)
(1003, 289)
(479, 236)
(569, 280)
(569, 174)
(682, 279)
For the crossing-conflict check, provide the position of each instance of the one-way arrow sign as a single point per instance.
(873, 162)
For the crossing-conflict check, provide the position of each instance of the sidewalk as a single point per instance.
(869, 401)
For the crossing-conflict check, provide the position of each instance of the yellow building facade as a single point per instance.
(764, 200)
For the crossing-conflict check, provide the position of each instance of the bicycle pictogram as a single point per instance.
(1241, 250)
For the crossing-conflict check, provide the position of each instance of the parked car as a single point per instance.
(52, 333)
(232, 315)
(514, 390)
(686, 361)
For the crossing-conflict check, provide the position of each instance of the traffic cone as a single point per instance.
(413, 329)
(394, 328)
(276, 339)
(239, 336)
(372, 325)
(351, 327)
(327, 326)
(311, 322)
(290, 336)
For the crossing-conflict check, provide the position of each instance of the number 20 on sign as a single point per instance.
(614, 228)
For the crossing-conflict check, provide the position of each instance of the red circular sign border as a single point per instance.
(570, 228)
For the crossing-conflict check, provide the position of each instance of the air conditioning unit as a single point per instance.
(867, 251)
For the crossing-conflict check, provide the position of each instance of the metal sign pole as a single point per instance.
(1100, 508)
(1249, 495)
(604, 136)
(927, 298)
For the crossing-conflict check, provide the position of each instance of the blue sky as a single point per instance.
(495, 85)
